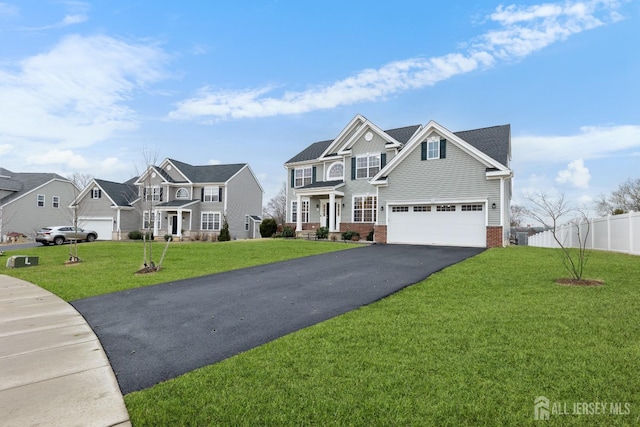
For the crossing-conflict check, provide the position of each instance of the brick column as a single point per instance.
(380, 234)
(494, 237)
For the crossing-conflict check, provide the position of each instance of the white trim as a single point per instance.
(166, 161)
(328, 170)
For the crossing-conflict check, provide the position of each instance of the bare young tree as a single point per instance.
(148, 202)
(517, 215)
(277, 207)
(625, 199)
(81, 180)
(550, 211)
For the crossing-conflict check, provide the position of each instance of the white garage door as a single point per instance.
(102, 226)
(448, 225)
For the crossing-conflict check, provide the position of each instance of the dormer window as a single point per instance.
(182, 193)
(335, 172)
(96, 193)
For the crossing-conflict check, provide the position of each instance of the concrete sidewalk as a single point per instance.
(53, 369)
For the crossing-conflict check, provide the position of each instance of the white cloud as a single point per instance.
(5, 148)
(590, 143)
(576, 174)
(522, 31)
(76, 94)
(58, 157)
(214, 162)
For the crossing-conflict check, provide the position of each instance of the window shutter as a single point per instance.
(161, 191)
(313, 174)
(202, 194)
(423, 149)
(144, 193)
(219, 194)
(293, 178)
(353, 168)
(383, 160)
(443, 148)
(99, 193)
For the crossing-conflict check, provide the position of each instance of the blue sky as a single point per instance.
(89, 86)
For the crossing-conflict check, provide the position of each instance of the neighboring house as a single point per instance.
(108, 208)
(177, 199)
(29, 201)
(415, 185)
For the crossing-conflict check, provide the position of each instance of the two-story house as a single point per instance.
(32, 200)
(416, 184)
(176, 199)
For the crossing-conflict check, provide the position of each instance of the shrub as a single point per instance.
(322, 233)
(167, 237)
(370, 236)
(351, 235)
(224, 233)
(288, 231)
(135, 235)
(268, 227)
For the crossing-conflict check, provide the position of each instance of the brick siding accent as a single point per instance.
(494, 237)
(380, 235)
(362, 228)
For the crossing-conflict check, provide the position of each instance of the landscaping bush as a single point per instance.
(288, 231)
(351, 235)
(322, 233)
(167, 237)
(268, 227)
(138, 235)
(370, 236)
(224, 233)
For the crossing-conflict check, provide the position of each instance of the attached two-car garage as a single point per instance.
(456, 224)
(103, 226)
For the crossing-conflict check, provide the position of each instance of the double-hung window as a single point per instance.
(153, 194)
(211, 194)
(210, 221)
(96, 193)
(305, 211)
(148, 218)
(364, 208)
(40, 200)
(55, 202)
(367, 166)
(294, 211)
(303, 176)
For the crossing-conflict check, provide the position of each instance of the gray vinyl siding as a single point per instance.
(376, 145)
(244, 197)
(101, 207)
(459, 176)
(22, 215)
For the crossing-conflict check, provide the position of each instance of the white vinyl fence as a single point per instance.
(618, 233)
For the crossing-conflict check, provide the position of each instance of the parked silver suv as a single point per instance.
(61, 234)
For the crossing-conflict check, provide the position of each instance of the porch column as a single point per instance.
(299, 213)
(332, 212)
(179, 219)
(156, 219)
(118, 229)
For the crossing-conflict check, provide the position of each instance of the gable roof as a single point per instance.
(120, 194)
(493, 141)
(315, 150)
(481, 144)
(207, 173)
(24, 182)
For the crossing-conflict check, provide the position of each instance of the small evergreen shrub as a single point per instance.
(370, 236)
(288, 231)
(268, 227)
(322, 233)
(224, 233)
(135, 235)
(351, 235)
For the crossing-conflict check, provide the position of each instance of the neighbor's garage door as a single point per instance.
(102, 226)
(447, 225)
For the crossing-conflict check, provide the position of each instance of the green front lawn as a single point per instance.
(110, 266)
(473, 345)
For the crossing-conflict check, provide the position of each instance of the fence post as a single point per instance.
(609, 232)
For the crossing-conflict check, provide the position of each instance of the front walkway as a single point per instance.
(54, 370)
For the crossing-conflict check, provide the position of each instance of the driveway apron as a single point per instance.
(156, 333)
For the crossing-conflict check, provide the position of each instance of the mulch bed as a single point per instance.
(583, 282)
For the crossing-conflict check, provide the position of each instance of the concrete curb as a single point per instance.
(54, 369)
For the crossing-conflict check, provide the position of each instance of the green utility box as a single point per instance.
(18, 261)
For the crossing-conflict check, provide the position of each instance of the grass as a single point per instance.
(473, 345)
(110, 266)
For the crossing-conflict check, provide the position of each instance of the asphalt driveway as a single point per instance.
(156, 333)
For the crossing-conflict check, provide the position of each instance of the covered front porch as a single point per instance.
(319, 203)
(176, 218)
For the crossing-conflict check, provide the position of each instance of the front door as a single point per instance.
(174, 225)
(324, 215)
